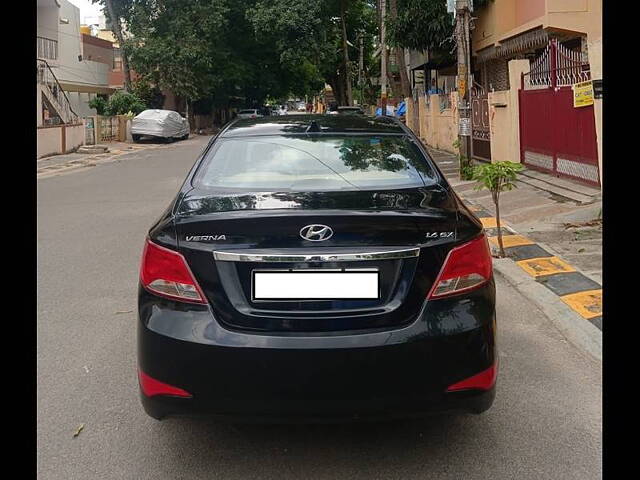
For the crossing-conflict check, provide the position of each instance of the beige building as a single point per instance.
(74, 75)
(509, 35)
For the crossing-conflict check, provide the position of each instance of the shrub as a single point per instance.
(99, 103)
(121, 103)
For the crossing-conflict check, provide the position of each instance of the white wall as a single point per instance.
(70, 69)
(80, 103)
(47, 21)
(49, 139)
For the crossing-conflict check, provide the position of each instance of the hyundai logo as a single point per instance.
(316, 233)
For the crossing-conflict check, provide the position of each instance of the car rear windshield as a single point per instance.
(314, 163)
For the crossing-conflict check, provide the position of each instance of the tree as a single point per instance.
(497, 177)
(217, 51)
(317, 35)
(424, 25)
(405, 86)
(150, 94)
(345, 53)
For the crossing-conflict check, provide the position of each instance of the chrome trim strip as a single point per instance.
(335, 257)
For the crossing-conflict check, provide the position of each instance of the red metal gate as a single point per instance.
(480, 132)
(555, 136)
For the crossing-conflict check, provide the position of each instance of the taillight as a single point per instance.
(253, 116)
(152, 387)
(166, 273)
(484, 380)
(465, 268)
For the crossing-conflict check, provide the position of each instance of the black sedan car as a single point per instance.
(316, 268)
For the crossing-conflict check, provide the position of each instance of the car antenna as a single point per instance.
(313, 127)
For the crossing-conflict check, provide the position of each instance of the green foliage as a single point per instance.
(99, 103)
(496, 177)
(466, 169)
(121, 103)
(306, 37)
(149, 94)
(181, 45)
(424, 24)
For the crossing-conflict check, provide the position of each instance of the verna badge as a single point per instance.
(204, 238)
(316, 233)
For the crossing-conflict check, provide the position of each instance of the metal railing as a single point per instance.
(557, 66)
(54, 93)
(47, 48)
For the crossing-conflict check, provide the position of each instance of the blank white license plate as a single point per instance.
(315, 285)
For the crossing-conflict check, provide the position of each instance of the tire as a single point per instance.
(185, 137)
(136, 138)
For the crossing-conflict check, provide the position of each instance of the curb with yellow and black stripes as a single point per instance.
(579, 292)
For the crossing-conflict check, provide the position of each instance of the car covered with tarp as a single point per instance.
(165, 124)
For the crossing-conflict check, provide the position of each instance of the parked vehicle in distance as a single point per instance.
(316, 267)
(249, 113)
(347, 110)
(164, 124)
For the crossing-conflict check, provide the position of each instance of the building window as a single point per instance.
(47, 48)
(117, 60)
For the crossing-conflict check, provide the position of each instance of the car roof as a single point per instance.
(297, 124)
(154, 112)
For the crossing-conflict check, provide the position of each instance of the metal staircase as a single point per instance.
(54, 96)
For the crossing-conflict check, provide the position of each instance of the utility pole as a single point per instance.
(462, 10)
(383, 57)
(361, 66)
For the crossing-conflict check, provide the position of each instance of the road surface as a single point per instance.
(545, 422)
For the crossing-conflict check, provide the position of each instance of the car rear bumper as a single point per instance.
(321, 411)
(351, 375)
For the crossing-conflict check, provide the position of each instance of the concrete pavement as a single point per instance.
(56, 165)
(545, 423)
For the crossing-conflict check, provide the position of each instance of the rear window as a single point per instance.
(314, 163)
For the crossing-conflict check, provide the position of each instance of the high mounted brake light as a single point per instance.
(466, 267)
(166, 273)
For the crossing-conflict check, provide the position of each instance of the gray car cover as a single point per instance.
(160, 123)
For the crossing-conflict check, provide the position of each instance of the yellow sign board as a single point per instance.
(462, 87)
(583, 94)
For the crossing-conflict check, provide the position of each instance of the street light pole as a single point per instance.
(383, 58)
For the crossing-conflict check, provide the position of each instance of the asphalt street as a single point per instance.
(545, 422)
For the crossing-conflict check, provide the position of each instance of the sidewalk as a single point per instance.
(558, 223)
(555, 239)
(58, 164)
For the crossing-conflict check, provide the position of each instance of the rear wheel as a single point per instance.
(136, 138)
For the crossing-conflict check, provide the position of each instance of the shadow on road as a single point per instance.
(336, 450)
